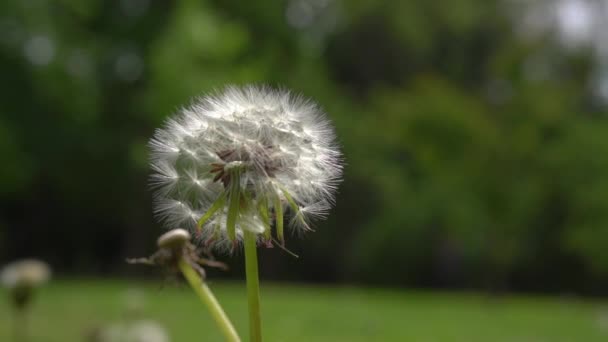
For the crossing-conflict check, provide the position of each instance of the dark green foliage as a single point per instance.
(474, 157)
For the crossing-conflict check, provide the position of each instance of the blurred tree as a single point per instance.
(475, 154)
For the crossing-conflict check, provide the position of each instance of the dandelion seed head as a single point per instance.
(146, 331)
(280, 142)
(25, 273)
(137, 331)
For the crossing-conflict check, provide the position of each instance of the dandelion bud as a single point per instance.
(173, 239)
(238, 160)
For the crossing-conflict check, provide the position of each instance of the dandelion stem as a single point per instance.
(207, 297)
(253, 287)
(20, 325)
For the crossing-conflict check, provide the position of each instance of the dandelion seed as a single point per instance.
(236, 160)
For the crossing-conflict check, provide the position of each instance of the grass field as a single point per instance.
(65, 310)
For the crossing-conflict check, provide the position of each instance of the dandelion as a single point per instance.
(231, 166)
(27, 273)
(241, 160)
(137, 331)
(176, 252)
(22, 278)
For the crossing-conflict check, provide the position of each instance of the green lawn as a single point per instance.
(67, 309)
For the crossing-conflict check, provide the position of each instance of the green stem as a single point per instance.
(253, 287)
(207, 297)
(20, 325)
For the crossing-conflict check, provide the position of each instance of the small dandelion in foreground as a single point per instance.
(176, 252)
(241, 159)
(174, 246)
(137, 331)
(147, 331)
(22, 277)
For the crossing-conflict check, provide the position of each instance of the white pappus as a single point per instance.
(241, 158)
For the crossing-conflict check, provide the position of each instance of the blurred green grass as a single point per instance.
(66, 310)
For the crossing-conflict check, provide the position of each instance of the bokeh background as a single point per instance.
(475, 134)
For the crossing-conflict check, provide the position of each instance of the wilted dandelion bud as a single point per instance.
(173, 239)
(241, 159)
(22, 277)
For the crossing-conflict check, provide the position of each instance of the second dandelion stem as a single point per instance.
(253, 287)
(20, 325)
(207, 297)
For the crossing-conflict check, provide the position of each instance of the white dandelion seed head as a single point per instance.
(282, 144)
(25, 273)
(137, 331)
(146, 331)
